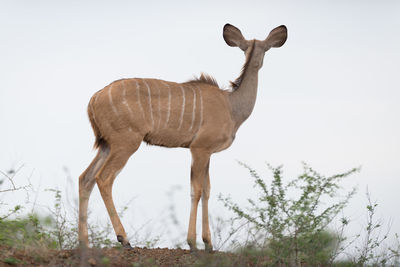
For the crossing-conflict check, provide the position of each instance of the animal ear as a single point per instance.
(277, 37)
(233, 37)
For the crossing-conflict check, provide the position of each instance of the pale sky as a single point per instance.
(329, 97)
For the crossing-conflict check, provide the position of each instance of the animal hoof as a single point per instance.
(208, 248)
(123, 242)
(193, 249)
(127, 246)
(83, 245)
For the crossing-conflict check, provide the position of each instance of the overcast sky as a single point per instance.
(330, 96)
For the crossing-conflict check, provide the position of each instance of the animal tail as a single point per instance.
(100, 142)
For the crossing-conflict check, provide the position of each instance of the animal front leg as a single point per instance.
(206, 235)
(195, 197)
(200, 161)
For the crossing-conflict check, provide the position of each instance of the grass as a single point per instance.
(286, 224)
(11, 261)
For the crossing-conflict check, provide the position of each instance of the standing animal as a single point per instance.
(196, 114)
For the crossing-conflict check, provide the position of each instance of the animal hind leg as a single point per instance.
(116, 160)
(86, 184)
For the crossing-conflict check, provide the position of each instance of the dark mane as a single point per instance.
(235, 85)
(204, 78)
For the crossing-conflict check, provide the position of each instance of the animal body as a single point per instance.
(196, 114)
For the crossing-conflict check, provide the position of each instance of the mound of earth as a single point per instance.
(120, 257)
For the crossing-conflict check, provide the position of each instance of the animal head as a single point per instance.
(276, 38)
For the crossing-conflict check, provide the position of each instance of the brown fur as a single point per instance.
(204, 78)
(99, 140)
(235, 84)
(195, 115)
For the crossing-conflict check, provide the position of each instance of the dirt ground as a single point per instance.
(119, 257)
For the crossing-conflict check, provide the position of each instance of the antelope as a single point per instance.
(196, 114)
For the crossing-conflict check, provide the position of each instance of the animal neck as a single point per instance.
(244, 93)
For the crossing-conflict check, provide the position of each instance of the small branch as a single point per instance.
(11, 180)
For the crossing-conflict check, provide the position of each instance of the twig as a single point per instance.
(10, 179)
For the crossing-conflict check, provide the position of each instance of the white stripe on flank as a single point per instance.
(151, 109)
(201, 109)
(169, 105)
(95, 96)
(194, 109)
(138, 100)
(126, 103)
(159, 108)
(183, 108)
(111, 101)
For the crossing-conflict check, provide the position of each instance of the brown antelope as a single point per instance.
(196, 114)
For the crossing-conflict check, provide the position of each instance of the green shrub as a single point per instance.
(289, 230)
(26, 231)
